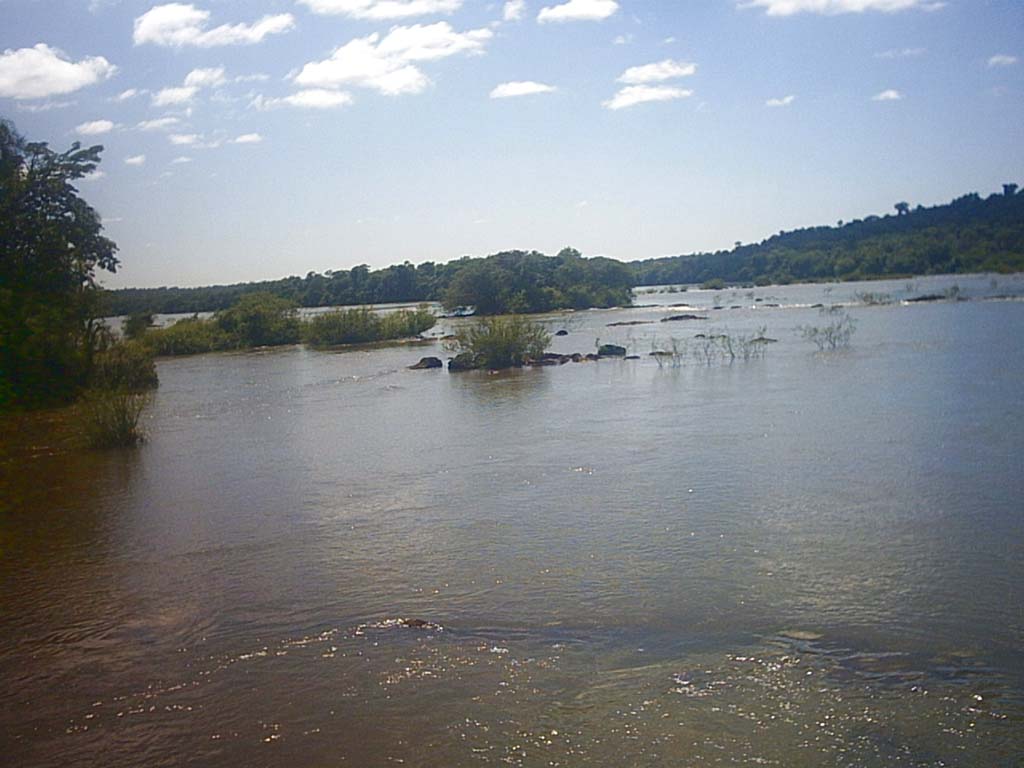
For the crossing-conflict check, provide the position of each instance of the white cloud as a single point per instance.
(622, 40)
(94, 128)
(168, 96)
(520, 88)
(638, 94)
(247, 138)
(45, 106)
(94, 176)
(179, 24)
(378, 10)
(135, 160)
(181, 160)
(209, 77)
(888, 95)
(1002, 60)
(159, 124)
(308, 98)
(184, 139)
(131, 93)
(900, 53)
(835, 7)
(513, 10)
(578, 10)
(41, 71)
(385, 64)
(656, 73)
(785, 101)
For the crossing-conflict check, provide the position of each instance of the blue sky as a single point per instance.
(252, 140)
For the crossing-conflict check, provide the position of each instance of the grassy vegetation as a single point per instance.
(263, 320)
(111, 419)
(124, 367)
(501, 342)
(362, 325)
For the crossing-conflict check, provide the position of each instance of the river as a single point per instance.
(804, 559)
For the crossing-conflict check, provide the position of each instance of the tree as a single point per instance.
(902, 208)
(1009, 190)
(51, 245)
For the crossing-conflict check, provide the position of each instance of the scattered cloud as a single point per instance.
(247, 138)
(42, 71)
(785, 101)
(135, 160)
(380, 10)
(657, 72)
(181, 160)
(1002, 60)
(668, 40)
(520, 88)
(622, 40)
(94, 176)
(900, 53)
(184, 139)
(888, 95)
(836, 7)
(176, 25)
(94, 128)
(308, 98)
(131, 93)
(578, 10)
(385, 64)
(166, 97)
(513, 10)
(209, 77)
(45, 106)
(159, 124)
(638, 94)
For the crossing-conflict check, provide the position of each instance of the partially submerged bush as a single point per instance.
(836, 334)
(260, 320)
(124, 367)
(135, 326)
(111, 419)
(190, 336)
(362, 325)
(502, 342)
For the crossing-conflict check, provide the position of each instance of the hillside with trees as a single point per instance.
(970, 234)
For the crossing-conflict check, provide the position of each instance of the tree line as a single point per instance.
(969, 234)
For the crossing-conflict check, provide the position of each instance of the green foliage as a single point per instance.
(51, 245)
(260, 320)
(124, 367)
(111, 419)
(714, 284)
(502, 342)
(518, 281)
(135, 326)
(362, 325)
(190, 336)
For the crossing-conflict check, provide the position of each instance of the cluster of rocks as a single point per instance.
(467, 361)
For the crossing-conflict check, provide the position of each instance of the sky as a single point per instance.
(260, 139)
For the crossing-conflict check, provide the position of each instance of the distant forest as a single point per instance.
(970, 234)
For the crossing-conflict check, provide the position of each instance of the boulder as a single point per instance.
(427, 362)
(673, 318)
(629, 322)
(631, 357)
(611, 350)
(561, 332)
(464, 361)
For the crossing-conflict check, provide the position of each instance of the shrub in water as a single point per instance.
(362, 325)
(190, 336)
(111, 419)
(260, 320)
(503, 342)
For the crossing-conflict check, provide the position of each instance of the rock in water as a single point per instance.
(611, 350)
(427, 362)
